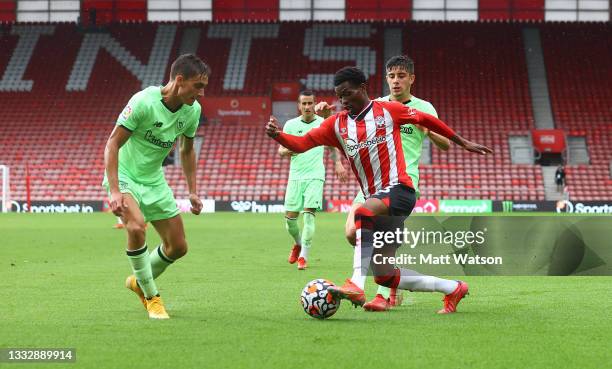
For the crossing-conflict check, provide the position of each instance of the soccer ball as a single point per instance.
(317, 301)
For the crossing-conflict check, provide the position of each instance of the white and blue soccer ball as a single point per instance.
(317, 301)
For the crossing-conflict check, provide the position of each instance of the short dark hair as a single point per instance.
(353, 75)
(402, 61)
(189, 65)
(306, 93)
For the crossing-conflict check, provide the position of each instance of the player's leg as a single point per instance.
(352, 289)
(407, 279)
(141, 282)
(138, 256)
(158, 204)
(350, 232)
(308, 230)
(401, 200)
(382, 300)
(161, 210)
(293, 205)
(173, 245)
(313, 198)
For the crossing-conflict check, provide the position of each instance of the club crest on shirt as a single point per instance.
(180, 124)
(380, 122)
(343, 130)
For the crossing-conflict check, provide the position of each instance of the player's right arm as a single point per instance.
(322, 135)
(129, 120)
(118, 137)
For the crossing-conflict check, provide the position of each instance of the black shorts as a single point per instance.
(400, 200)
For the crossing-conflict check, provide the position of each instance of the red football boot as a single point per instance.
(379, 303)
(349, 291)
(295, 252)
(452, 299)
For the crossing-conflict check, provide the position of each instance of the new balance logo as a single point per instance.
(158, 124)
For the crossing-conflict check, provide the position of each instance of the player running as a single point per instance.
(368, 132)
(400, 77)
(306, 178)
(145, 132)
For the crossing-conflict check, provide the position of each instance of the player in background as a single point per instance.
(145, 132)
(306, 179)
(400, 77)
(369, 134)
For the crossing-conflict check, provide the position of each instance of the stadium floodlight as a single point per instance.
(5, 187)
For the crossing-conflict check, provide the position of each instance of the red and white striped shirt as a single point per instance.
(370, 141)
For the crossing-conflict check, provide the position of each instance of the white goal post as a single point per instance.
(5, 188)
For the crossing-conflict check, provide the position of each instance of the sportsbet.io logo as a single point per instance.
(352, 147)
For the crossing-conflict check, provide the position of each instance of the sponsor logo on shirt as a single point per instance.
(353, 147)
(150, 137)
(127, 111)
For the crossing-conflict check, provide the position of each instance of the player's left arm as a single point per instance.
(441, 142)
(188, 160)
(338, 167)
(404, 115)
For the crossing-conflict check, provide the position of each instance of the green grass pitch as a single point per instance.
(234, 304)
